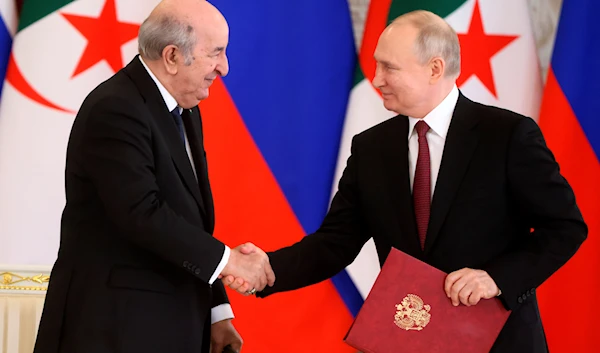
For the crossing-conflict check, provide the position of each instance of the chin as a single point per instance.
(389, 105)
(190, 104)
(203, 95)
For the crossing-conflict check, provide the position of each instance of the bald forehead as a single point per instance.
(200, 15)
(183, 6)
(401, 29)
(400, 34)
(413, 24)
(419, 19)
(190, 11)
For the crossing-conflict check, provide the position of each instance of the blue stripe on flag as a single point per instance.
(5, 45)
(292, 65)
(348, 291)
(577, 44)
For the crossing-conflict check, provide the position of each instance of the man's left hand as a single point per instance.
(469, 286)
(222, 333)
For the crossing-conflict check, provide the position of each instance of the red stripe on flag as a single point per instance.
(375, 23)
(250, 206)
(568, 302)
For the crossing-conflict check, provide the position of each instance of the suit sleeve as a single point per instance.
(220, 307)
(118, 158)
(334, 246)
(545, 202)
(219, 296)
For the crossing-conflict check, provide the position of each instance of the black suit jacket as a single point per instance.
(497, 181)
(136, 250)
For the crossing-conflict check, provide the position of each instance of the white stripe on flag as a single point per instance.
(365, 109)
(8, 13)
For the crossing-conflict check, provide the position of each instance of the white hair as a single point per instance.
(157, 32)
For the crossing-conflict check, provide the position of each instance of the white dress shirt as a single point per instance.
(223, 311)
(439, 122)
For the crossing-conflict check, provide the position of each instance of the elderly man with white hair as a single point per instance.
(138, 268)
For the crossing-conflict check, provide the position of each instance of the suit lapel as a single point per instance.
(461, 142)
(395, 159)
(166, 125)
(193, 122)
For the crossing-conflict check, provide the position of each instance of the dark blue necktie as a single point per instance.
(178, 122)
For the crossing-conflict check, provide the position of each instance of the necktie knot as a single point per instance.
(421, 128)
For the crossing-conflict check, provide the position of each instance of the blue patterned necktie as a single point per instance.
(178, 122)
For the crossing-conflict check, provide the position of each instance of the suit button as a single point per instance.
(185, 264)
(520, 300)
(197, 272)
(532, 290)
(524, 297)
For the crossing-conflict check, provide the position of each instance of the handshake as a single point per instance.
(248, 270)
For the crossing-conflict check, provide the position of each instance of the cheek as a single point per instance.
(400, 85)
(189, 82)
(185, 75)
(207, 69)
(194, 79)
(409, 86)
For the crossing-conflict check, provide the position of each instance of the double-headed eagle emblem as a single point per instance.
(412, 313)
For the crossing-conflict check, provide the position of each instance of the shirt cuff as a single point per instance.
(220, 313)
(221, 266)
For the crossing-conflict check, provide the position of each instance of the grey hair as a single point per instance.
(435, 38)
(158, 32)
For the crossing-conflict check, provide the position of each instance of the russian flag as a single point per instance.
(571, 125)
(272, 131)
(8, 26)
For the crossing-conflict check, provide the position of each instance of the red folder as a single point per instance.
(408, 311)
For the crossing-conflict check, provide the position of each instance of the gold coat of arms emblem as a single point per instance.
(412, 314)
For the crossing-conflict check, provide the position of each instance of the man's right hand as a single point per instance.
(250, 268)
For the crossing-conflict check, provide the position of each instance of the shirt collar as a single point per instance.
(439, 118)
(170, 101)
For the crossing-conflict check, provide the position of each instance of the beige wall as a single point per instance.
(22, 294)
(544, 17)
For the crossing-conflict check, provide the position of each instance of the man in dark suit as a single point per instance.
(456, 184)
(138, 268)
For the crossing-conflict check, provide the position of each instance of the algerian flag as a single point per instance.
(499, 67)
(62, 50)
